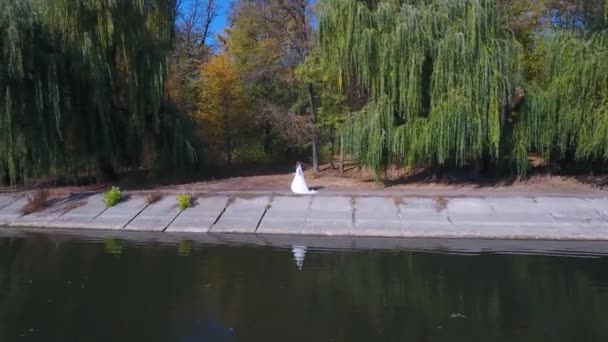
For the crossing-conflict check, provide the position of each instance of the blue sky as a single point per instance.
(220, 23)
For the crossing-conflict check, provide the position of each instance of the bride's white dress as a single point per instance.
(298, 185)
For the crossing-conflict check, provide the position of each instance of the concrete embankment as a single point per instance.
(344, 215)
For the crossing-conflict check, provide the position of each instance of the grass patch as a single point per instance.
(398, 200)
(112, 196)
(74, 205)
(37, 201)
(184, 201)
(441, 204)
(153, 197)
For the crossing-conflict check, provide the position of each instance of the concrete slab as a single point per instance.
(156, 217)
(377, 216)
(453, 231)
(313, 218)
(319, 242)
(501, 246)
(242, 215)
(238, 239)
(135, 237)
(11, 212)
(81, 216)
(551, 231)
(570, 210)
(5, 200)
(579, 248)
(589, 231)
(286, 215)
(331, 215)
(422, 211)
(521, 211)
(517, 211)
(119, 215)
(376, 209)
(44, 218)
(199, 218)
(600, 205)
(516, 204)
(469, 210)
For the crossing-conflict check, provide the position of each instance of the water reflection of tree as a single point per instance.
(414, 294)
(153, 293)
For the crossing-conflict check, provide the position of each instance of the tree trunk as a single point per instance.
(229, 150)
(105, 169)
(341, 156)
(333, 147)
(315, 138)
(267, 140)
(228, 135)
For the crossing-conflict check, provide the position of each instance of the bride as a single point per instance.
(298, 185)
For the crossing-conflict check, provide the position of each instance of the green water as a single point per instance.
(69, 290)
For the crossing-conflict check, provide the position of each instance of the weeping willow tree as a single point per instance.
(439, 73)
(566, 115)
(82, 86)
(444, 82)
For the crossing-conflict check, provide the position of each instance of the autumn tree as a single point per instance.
(332, 102)
(532, 22)
(223, 112)
(191, 48)
(269, 39)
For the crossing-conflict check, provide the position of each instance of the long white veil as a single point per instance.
(298, 185)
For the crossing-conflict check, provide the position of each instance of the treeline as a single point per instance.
(483, 84)
(253, 105)
(99, 88)
(82, 89)
(93, 88)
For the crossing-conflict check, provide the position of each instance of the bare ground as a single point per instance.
(328, 180)
(397, 181)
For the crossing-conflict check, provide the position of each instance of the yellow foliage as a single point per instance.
(250, 42)
(223, 112)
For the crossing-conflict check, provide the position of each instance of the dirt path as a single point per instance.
(354, 181)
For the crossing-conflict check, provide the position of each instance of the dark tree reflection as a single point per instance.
(56, 290)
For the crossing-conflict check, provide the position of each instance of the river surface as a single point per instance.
(109, 290)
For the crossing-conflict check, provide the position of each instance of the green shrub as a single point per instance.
(250, 153)
(184, 201)
(112, 197)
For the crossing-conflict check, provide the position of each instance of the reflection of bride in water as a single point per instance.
(299, 252)
(298, 185)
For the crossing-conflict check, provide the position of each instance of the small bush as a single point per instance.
(37, 201)
(184, 201)
(154, 197)
(112, 197)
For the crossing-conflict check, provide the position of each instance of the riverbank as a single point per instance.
(276, 178)
(431, 215)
